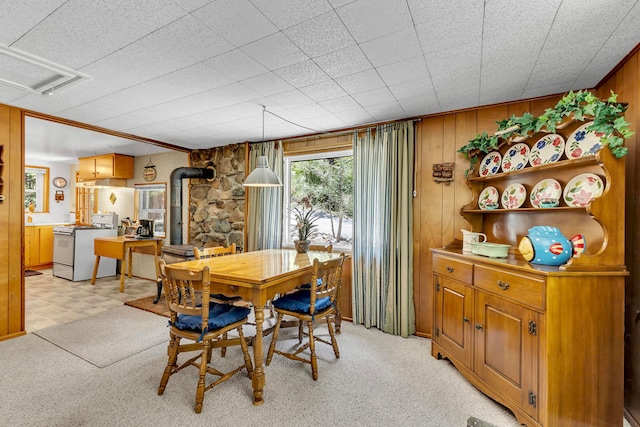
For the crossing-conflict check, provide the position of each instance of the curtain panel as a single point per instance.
(383, 233)
(264, 217)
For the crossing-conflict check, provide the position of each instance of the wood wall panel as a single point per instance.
(625, 83)
(11, 225)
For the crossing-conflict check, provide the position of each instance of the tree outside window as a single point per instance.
(151, 204)
(36, 192)
(324, 182)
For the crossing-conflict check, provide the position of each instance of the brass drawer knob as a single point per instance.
(503, 285)
(449, 269)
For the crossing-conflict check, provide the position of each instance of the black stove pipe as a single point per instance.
(175, 227)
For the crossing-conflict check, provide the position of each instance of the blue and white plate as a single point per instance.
(490, 164)
(548, 149)
(515, 158)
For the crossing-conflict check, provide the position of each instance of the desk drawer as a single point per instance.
(523, 289)
(453, 268)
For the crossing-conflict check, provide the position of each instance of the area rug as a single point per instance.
(28, 273)
(475, 422)
(147, 304)
(109, 336)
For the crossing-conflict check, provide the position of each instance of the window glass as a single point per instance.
(322, 182)
(36, 193)
(151, 204)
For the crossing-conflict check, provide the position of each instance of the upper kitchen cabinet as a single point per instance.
(106, 166)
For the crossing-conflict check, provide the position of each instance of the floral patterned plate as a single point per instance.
(582, 143)
(545, 189)
(515, 158)
(514, 196)
(548, 149)
(488, 199)
(582, 189)
(490, 164)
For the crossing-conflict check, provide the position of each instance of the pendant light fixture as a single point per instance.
(262, 175)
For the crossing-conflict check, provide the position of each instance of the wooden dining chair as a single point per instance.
(196, 318)
(309, 305)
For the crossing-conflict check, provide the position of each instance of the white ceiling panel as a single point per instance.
(196, 73)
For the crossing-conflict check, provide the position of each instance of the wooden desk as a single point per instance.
(257, 277)
(120, 247)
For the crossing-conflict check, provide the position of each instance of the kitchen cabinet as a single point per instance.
(38, 246)
(105, 166)
(545, 341)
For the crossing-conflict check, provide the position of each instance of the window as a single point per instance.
(36, 189)
(150, 203)
(325, 182)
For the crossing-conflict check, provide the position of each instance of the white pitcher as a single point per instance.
(469, 237)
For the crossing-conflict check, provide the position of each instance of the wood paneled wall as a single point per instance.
(624, 82)
(11, 225)
(437, 220)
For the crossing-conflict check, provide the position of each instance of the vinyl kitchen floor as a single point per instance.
(52, 300)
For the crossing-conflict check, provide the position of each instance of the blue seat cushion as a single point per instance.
(308, 285)
(220, 315)
(300, 302)
(221, 297)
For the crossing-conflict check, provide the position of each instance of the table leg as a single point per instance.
(158, 281)
(123, 271)
(258, 359)
(130, 253)
(95, 270)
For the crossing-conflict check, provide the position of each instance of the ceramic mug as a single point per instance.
(469, 237)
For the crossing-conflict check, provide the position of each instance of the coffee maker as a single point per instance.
(145, 229)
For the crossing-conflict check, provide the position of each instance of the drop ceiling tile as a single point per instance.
(419, 105)
(370, 19)
(438, 11)
(320, 35)
(374, 97)
(386, 111)
(79, 33)
(237, 21)
(291, 99)
(404, 71)
(178, 45)
(360, 82)
(10, 94)
(302, 74)
(357, 116)
(339, 105)
(285, 13)
(503, 22)
(328, 121)
(343, 62)
(454, 59)
(236, 64)
(18, 17)
(309, 110)
(460, 80)
(323, 91)
(392, 48)
(267, 84)
(412, 89)
(275, 51)
(191, 5)
(454, 23)
(456, 100)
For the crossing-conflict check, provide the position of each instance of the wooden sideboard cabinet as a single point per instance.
(545, 341)
(105, 166)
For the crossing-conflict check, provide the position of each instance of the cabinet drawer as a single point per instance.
(453, 268)
(523, 289)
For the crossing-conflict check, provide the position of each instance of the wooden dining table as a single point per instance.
(258, 277)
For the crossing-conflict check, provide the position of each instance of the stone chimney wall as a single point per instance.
(216, 209)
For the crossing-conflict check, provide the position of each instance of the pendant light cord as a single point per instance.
(264, 109)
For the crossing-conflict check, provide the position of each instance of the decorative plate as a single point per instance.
(582, 189)
(514, 196)
(582, 143)
(490, 164)
(546, 189)
(548, 149)
(488, 199)
(515, 158)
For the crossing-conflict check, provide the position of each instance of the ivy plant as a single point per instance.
(607, 117)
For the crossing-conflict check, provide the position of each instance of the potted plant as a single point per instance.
(305, 227)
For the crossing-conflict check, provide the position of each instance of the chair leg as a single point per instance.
(245, 353)
(201, 380)
(300, 331)
(272, 346)
(172, 355)
(312, 348)
(334, 342)
(223, 350)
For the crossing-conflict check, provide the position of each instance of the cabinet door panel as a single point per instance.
(506, 351)
(454, 306)
(46, 244)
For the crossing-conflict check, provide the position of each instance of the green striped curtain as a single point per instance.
(264, 218)
(382, 228)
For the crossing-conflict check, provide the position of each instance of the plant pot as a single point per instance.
(302, 246)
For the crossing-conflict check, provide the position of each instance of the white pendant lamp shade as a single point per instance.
(262, 176)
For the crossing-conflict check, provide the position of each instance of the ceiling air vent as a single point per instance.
(33, 74)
